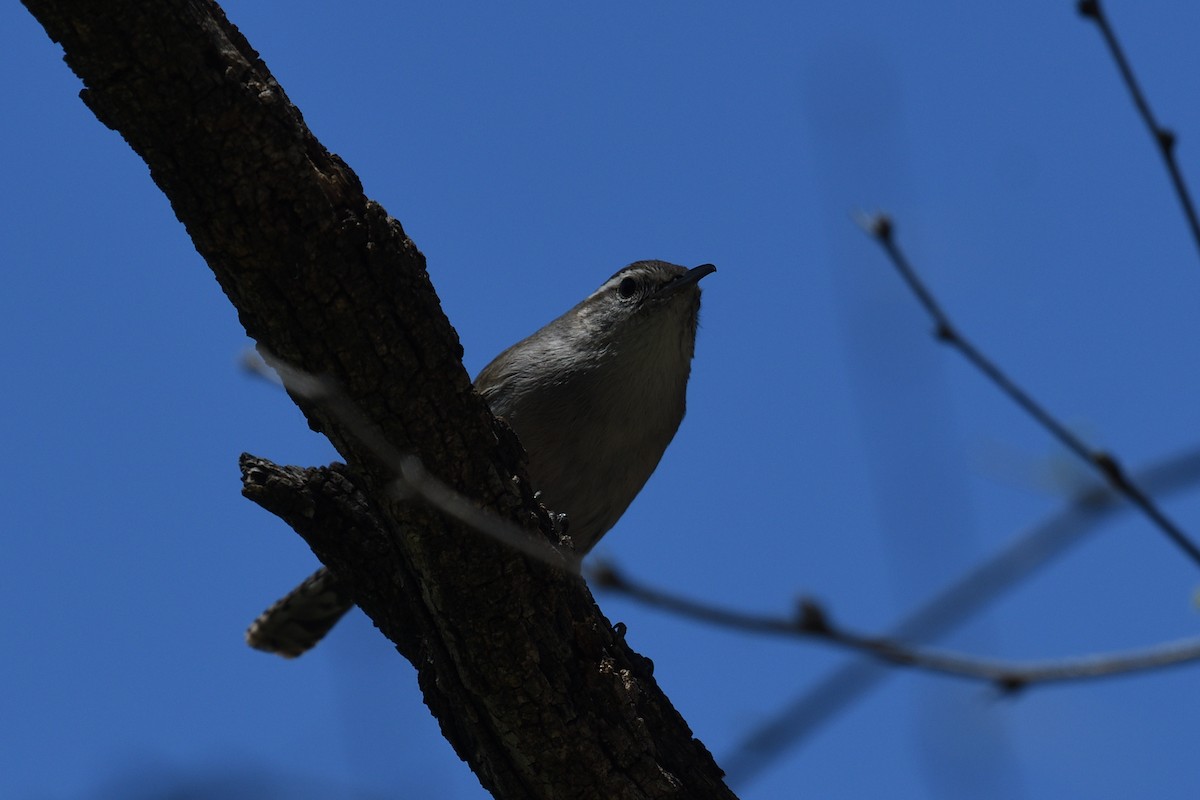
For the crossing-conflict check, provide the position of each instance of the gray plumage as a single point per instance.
(595, 398)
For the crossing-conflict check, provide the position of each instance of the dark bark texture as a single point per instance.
(526, 677)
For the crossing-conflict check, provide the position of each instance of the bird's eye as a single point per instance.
(627, 287)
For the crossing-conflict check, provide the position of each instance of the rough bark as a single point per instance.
(529, 682)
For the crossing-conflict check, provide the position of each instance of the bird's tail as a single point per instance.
(302, 617)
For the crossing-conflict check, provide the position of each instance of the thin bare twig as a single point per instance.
(1164, 138)
(880, 227)
(811, 621)
(949, 609)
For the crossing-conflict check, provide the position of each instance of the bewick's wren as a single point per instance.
(595, 398)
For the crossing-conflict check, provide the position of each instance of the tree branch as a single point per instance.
(812, 622)
(1164, 138)
(949, 608)
(881, 228)
(527, 679)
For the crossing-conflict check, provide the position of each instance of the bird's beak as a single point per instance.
(689, 278)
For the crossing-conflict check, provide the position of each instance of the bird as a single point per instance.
(594, 396)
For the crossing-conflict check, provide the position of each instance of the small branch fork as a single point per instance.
(881, 228)
(1164, 138)
(412, 479)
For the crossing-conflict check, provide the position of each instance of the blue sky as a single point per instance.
(831, 449)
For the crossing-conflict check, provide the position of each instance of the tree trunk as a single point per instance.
(527, 679)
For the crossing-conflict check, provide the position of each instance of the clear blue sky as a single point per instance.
(831, 448)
